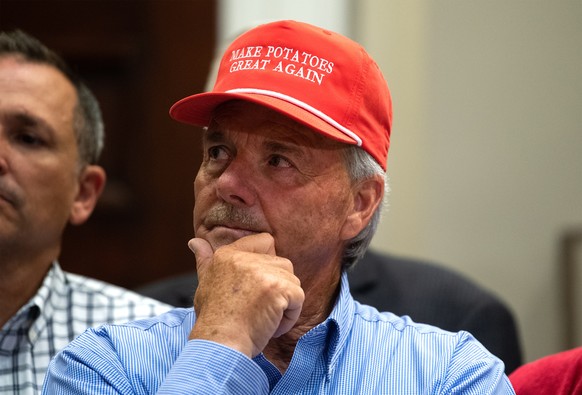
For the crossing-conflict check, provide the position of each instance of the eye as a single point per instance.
(29, 139)
(217, 153)
(279, 161)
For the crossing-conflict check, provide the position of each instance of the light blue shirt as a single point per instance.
(357, 350)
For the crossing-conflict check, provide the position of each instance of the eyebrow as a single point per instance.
(217, 136)
(213, 136)
(30, 120)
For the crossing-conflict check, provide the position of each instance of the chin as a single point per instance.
(220, 236)
(217, 241)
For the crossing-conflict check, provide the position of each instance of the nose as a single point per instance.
(236, 183)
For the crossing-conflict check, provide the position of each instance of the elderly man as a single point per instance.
(287, 198)
(51, 136)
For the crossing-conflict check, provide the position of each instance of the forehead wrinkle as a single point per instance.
(288, 131)
(277, 135)
(281, 133)
(278, 146)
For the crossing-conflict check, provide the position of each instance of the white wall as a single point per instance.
(486, 160)
(234, 15)
(486, 154)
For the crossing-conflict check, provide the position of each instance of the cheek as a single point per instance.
(203, 194)
(50, 196)
(198, 182)
(302, 225)
(65, 193)
(327, 216)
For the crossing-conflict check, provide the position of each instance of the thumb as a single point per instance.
(203, 253)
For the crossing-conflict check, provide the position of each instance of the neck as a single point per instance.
(19, 282)
(319, 301)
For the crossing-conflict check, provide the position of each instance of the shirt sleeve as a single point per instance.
(91, 364)
(211, 368)
(88, 365)
(474, 370)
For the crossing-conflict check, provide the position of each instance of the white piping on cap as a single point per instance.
(304, 106)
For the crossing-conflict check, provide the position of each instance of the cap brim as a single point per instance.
(197, 110)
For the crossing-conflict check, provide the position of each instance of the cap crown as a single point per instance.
(317, 77)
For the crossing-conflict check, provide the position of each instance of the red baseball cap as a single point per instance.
(314, 76)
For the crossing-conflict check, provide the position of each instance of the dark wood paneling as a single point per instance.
(139, 57)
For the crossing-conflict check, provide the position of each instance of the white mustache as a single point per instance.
(233, 217)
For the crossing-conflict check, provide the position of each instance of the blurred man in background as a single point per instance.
(51, 137)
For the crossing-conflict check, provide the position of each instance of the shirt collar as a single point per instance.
(328, 338)
(32, 318)
(338, 325)
(47, 297)
(342, 316)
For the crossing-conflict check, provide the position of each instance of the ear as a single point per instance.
(368, 195)
(91, 184)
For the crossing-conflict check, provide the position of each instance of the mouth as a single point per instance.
(234, 227)
(228, 223)
(7, 197)
(222, 234)
(225, 216)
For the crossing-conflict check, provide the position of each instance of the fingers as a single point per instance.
(261, 243)
(292, 312)
(202, 252)
(246, 285)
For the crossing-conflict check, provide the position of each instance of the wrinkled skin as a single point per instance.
(274, 209)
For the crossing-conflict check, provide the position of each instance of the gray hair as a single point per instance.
(360, 166)
(87, 118)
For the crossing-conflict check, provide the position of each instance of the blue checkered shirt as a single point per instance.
(64, 307)
(357, 350)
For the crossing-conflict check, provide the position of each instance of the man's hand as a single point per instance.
(246, 293)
